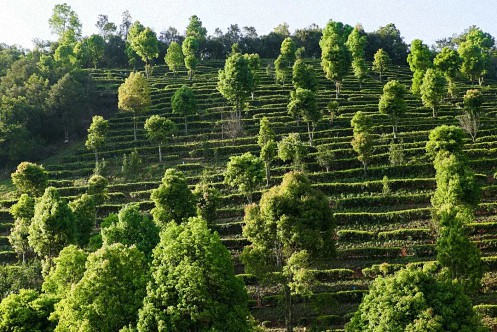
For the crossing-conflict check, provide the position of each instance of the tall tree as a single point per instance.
(356, 43)
(22, 212)
(419, 60)
(134, 96)
(303, 76)
(189, 290)
(174, 57)
(474, 51)
(254, 64)
(292, 148)
(64, 19)
(235, 82)
(381, 62)
(392, 103)
(195, 28)
(245, 172)
(184, 103)
(362, 142)
(428, 304)
(190, 48)
(335, 57)
(97, 133)
(267, 143)
(30, 179)
(432, 89)
(159, 129)
(284, 61)
(52, 226)
(290, 228)
(84, 210)
(449, 63)
(173, 200)
(90, 51)
(108, 295)
(146, 45)
(105, 28)
(303, 103)
(472, 111)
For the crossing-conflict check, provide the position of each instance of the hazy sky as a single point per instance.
(23, 20)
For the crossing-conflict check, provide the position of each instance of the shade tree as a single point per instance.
(392, 103)
(97, 134)
(362, 141)
(184, 103)
(356, 43)
(449, 63)
(189, 48)
(433, 89)
(381, 62)
(472, 111)
(303, 104)
(30, 178)
(246, 172)
(267, 143)
(22, 212)
(419, 60)
(291, 148)
(146, 45)
(158, 129)
(174, 57)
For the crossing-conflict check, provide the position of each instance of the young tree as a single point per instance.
(449, 63)
(190, 49)
(97, 188)
(472, 53)
(428, 304)
(303, 76)
(392, 103)
(432, 89)
(208, 199)
(134, 96)
(133, 228)
(108, 295)
(267, 143)
(195, 28)
(132, 164)
(68, 269)
(235, 82)
(303, 103)
(84, 210)
(290, 228)
(97, 133)
(173, 200)
(335, 57)
(254, 64)
(193, 285)
(245, 172)
(159, 129)
(445, 139)
(64, 19)
(419, 60)
(292, 148)
(362, 143)
(22, 212)
(356, 43)
(52, 226)
(470, 119)
(284, 61)
(29, 178)
(184, 103)
(90, 51)
(174, 57)
(333, 109)
(325, 157)
(27, 311)
(381, 62)
(146, 45)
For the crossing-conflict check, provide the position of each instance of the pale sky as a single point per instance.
(23, 20)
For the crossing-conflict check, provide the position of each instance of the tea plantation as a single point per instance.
(382, 223)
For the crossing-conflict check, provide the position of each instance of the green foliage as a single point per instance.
(84, 211)
(159, 129)
(132, 165)
(245, 172)
(472, 53)
(174, 57)
(356, 43)
(287, 50)
(195, 28)
(208, 200)
(266, 141)
(335, 57)
(392, 102)
(27, 311)
(293, 149)
(190, 48)
(303, 104)
(30, 179)
(396, 153)
(67, 271)
(14, 277)
(325, 157)
(361, 122)
(414, 300)
(445, 139)
(184, 103)
(52, 226)
(381, 62)
(173, 200)
(470, 119)
(303, 76)
(419, 60)
(97, 134)
(193, 286)
(432, 89)
(281, 69)
(146, 45)
(290, 228)
(362, 144)
(23, 212)
(90, 51)
(108, 295)
(97, 187)
(132, 228)
(254, 64)
(134, 96)
(64, 19)
(449, 63)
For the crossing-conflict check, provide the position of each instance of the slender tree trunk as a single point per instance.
(380, 75)
(288, 309)
(186, 127)
(309, 133)
(268, 170)
(434, 113)
(337, 90)
(96, 157)
(66, 127)
(160, 152)
(134, 126)
(394, 131)
(252, 94)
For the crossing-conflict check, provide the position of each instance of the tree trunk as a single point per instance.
(434, 113)
(134, 126)
(96, 157)
(252, 94)
(309, 133)
(288, 309)
(160, 152)
(66, 127)
(268, 170)
(337, 90)
(186, 127)
(380, 75)
(394, 131)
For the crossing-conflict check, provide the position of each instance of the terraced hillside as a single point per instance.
(373, 226)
